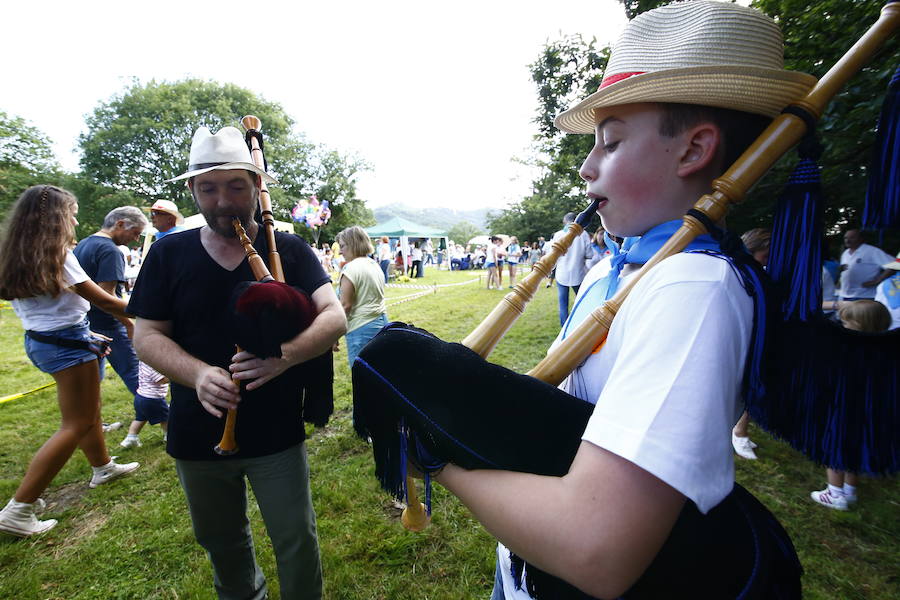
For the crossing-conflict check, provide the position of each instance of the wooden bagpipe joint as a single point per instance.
(253, 126)
(228, 444)
(415, 516)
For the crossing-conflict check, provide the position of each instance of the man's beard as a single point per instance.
(222, 224)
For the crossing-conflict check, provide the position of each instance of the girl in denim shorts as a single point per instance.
(51, 294)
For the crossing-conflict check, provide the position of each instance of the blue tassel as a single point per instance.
(795, 254)
(882, 208)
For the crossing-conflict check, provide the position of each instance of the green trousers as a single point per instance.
(216, 493)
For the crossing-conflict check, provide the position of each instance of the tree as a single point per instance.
(337, 184)
(26, 159)
(139, 138)
(565, 71)
(464, 231)
(816, 32)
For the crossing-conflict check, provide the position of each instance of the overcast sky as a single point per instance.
(435, 95)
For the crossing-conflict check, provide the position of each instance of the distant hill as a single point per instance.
(440, 218)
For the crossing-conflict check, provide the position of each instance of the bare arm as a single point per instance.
(348, 295)
(329, 325)
(155, 346)
(884, 274)
(598, 527)
(102, 299)
(110, 288)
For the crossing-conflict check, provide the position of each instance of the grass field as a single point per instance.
(132, 539)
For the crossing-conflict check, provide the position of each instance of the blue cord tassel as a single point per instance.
(795, 255)
(882, 208)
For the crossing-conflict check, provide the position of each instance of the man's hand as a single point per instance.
(215, 389)
(257, 371)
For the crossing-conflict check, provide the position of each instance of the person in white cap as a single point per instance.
(687, 88)
(183, 330)
(166, 218)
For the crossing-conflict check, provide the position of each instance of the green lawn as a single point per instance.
(133, 539)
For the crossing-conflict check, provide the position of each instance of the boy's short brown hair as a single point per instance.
(739, 129)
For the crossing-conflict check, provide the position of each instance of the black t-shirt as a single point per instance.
(102, 260)
(181, 283)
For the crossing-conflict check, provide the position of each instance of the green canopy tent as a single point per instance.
(398, 227)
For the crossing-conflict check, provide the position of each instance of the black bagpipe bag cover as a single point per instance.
(462, 409)
(267, 314)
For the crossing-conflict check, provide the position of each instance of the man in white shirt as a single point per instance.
(861, 270)
(571, 267)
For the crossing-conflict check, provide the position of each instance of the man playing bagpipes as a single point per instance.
(687, 88)
(185, 330)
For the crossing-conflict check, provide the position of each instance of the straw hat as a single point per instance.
(895, 266)
(223, 151)
(167, 206)
(703, 52)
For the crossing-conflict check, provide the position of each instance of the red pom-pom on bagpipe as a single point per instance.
(267, 314)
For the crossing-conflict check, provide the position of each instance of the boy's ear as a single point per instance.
(700, 150)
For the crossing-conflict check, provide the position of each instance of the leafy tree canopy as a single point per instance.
(141, 137)
(26, 159)
(464, 231)
(816, 32)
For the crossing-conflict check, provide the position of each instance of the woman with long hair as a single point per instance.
(51, 294)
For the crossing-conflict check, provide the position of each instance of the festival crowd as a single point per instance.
(162, 318)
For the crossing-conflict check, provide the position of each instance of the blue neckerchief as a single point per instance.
(636, 250)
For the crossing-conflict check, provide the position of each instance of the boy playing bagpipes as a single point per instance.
(687, 88)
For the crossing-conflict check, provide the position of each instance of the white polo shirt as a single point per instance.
(863, 264)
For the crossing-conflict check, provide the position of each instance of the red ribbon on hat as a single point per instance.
(618, 77)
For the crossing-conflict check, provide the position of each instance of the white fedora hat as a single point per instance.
(223, 151)
(705, 52)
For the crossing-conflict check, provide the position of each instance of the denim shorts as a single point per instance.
(152, 410)
(359, 337)
(51, 358)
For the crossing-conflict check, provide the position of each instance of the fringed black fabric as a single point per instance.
(831, 393)
(456, 407)
(453, 406)
(882, 208)
(836, 400)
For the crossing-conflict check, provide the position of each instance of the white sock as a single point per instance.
(102, 468)
(131, 436)
(849, 490)
(835, 491)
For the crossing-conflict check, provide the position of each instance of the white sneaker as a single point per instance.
(130, 442)
(18, 519)
(112, 472)
(107, 427)
(743, 447)
(825, 498)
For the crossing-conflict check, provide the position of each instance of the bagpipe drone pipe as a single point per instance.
(268, 312)
(453, 406)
